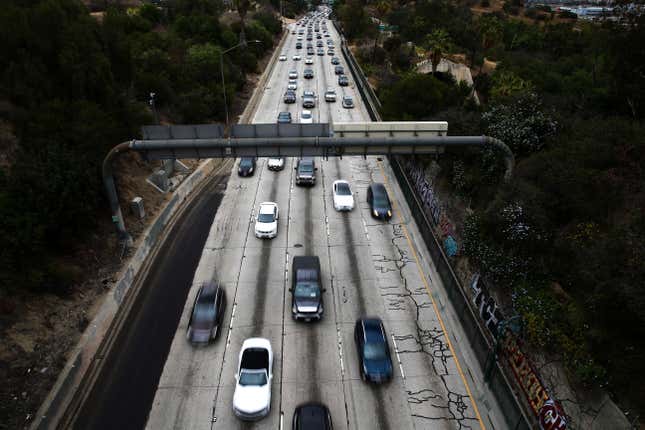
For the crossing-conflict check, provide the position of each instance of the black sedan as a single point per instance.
(379, 201)
(208, 310)
(312, 416)
(246, 167)
(373, 350)
(343, 81)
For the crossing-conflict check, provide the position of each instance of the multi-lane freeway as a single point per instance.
(369, 267)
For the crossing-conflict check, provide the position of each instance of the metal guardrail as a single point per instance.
(499, 383)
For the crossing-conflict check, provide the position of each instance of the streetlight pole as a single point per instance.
(221, 66)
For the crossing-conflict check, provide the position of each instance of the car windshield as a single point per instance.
(307, 290)
(266, 217)
(306, 167)
(246, 162)
(253, 377)
(306, 115)
(374, 351)
(342, 189)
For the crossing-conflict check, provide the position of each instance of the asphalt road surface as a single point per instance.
(369, 268)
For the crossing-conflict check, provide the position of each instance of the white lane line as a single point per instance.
(340, 352)
(398, 357)
(230, 327)
(365, 228)
(281, 419)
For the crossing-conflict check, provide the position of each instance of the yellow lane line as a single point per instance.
(434, 305)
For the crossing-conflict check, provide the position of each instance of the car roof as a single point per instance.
(312, 414)
(267, 207)
(208, 291)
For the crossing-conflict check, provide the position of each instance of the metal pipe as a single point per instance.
(110, 189)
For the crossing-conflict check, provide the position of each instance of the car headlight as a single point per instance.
(389, 213)
(251, 170)
(375, 212)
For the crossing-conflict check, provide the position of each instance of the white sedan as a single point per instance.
(343, 197)
(282, 58)
(266, 223)
(309, 60)
(297, 58)
(306, 117)
(293, 84)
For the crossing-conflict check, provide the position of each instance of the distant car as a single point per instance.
(282, 57)
(343, 81)
(330, 95)
(306, 117)
(326, 34)
(309, 60)
(308, 99)
(293, 74)
(208, 310)
(320, 51)
(284, 118)
(343, 197)
(339, 70)
(318, 36)
(331, 52)
(311, 416)
(310, 51)
(290, 96)
(348, 102)
(298, 46)
(373, 350)
(308, 74)
(379, 201)
(292, 85)
(293, 31)
(319, 44)
(296, 58)
(335, 60)
(246, 167)
(299, 38)
(266, 222)
(252, 395)
(276, 163)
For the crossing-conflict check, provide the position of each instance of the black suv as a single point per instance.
(339, 70)
(343, 81)
(306, 289)
(306, 172)
(380, 206)
(290, 96)
(308, 74)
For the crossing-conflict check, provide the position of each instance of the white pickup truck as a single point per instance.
(252, 397)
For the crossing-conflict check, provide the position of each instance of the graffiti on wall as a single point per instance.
(431, 204)
(488, 310)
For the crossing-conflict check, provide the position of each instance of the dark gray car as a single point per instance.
(208, 310)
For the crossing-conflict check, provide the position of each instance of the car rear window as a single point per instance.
(342, 189)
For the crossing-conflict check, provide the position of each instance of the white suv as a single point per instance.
(306, 117)
(266, 223)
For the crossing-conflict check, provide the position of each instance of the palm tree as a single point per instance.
(243, 7)
(439, 43)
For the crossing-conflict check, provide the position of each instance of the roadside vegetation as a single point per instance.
(72, 85)
(563, 241)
